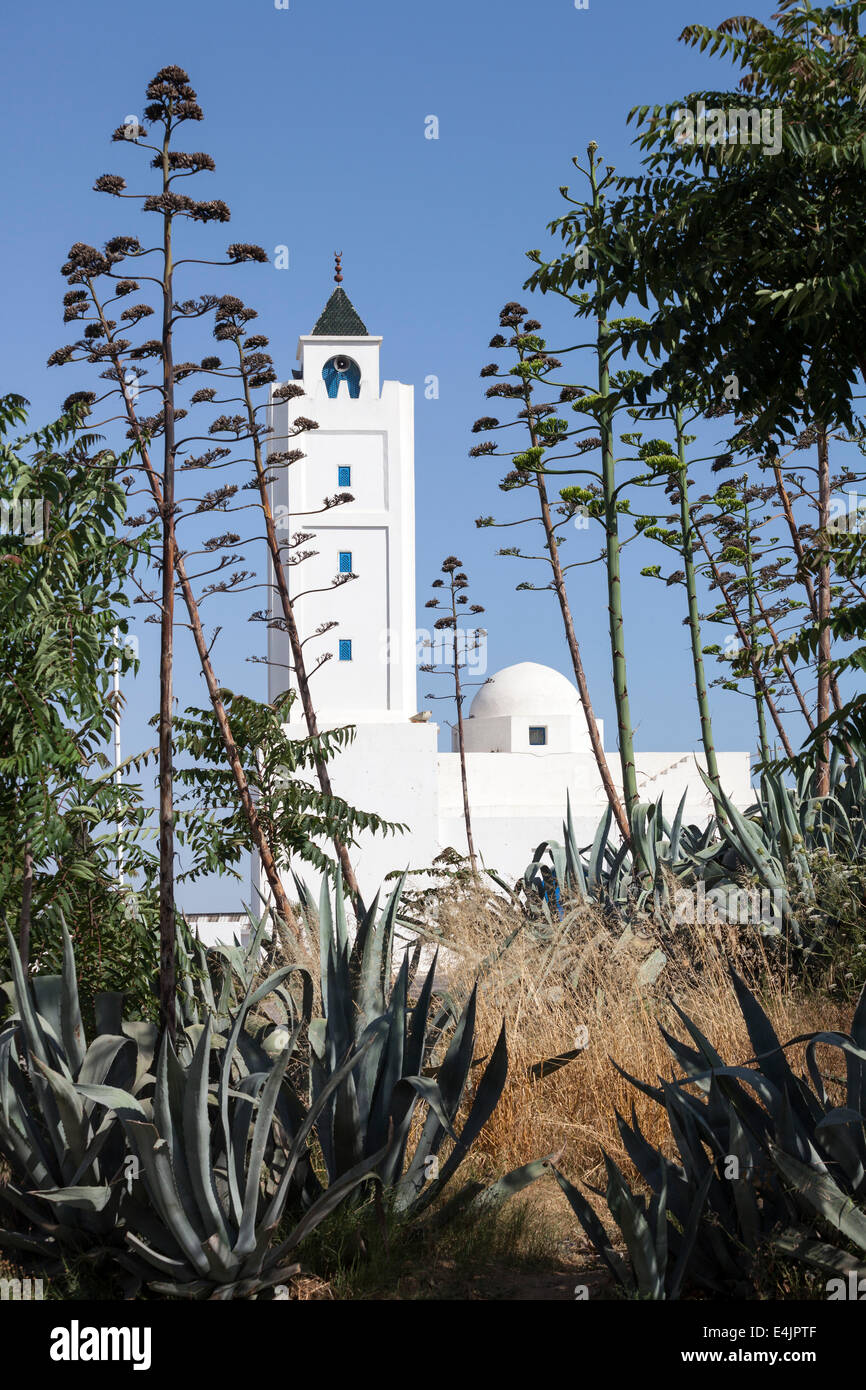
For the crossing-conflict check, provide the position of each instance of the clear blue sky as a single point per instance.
(315, 116)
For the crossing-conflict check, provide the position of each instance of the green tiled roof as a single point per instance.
(339, 318)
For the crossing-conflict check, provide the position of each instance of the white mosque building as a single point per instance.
(526, 737)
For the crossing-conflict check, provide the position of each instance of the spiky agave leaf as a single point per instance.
(65, 1159)
(373, 1110)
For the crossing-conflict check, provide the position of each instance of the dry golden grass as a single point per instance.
(548, 991)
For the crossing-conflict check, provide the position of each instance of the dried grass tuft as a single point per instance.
(585, 979)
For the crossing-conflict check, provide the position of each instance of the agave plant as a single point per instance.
(624, 879)
(766, 1156)
(222, 1153)
(840, 825)
(651, 1270)
(776, 838)
(772, 842)
(66, 1157)
(212, 981)
(368, 1115)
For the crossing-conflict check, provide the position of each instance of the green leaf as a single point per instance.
(596, 1232)
(824, 1196)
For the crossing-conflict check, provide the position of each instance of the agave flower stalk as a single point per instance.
(456, 581)
(604, 342)
(674, 465)
(533, 365)
(753, 624)
(167, 98)
(802, 569)
(688, 554)
(287, 919)
(785, 661)
(599, 754)
(232, 735)
(824, 599)
(172, 101)
(759, 680)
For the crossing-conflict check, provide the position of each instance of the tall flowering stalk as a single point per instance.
(589, 277)
(671, 462)
(98, 281)
(532, 468)
(454, 584)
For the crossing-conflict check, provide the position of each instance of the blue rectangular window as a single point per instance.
(345, 649)
(537, 735)
(344, 477)
(345, 562)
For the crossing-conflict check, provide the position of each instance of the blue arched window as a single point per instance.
(338, 369)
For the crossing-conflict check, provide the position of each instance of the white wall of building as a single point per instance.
(390, 769)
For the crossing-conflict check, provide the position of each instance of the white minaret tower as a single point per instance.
(363, 447)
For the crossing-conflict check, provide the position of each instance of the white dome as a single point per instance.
(525, 690)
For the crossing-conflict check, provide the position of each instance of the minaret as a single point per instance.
(363, 447)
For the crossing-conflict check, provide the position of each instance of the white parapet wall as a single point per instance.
(518, 800)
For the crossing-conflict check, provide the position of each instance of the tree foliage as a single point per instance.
(64, 818)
